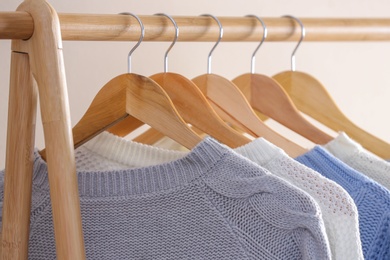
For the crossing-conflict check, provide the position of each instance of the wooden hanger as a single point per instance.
(231, 105)
(267, 97)
(312, 98)
(193, 106)
(127, 102)
(132, 100)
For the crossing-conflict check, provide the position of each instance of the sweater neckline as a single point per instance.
(162, 177)
(324, 159)
(343, 147)
(261, 151)
(125, 152)
(130, 153)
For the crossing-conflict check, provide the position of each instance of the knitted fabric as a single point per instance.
(210, 204)
(353, 154)
(371, 199)
(170, 144)
(338, 209)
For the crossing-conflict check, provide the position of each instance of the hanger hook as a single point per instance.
(303, 34)
(265, 33)
(174, 40)
(139, 40)
(215, 45)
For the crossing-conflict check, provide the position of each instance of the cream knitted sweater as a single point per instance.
(354, 155)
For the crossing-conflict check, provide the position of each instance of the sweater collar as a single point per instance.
(125, 152)
(343, 147)
(151, 179)
(261, 151)
(130, 153)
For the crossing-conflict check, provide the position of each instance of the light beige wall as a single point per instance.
(356, 74)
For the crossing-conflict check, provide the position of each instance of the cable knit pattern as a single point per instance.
(210, 204)
(338, 208)
(372, 200)
(353, 154)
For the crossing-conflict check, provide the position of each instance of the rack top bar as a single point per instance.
(115, 27)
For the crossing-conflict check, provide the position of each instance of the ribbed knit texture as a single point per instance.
(210, 204)
(371, 199)
(338, 208)
(353, 154)
(170, 144)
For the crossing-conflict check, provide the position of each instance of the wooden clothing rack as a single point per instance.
(37, 67)
(113, 27)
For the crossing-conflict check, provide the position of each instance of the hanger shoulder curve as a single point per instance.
(312, 98)
(113, 109)
(195, 109)
(232, 106)
(222, 93)
(148, 102)
(107, 109)
(269, 98)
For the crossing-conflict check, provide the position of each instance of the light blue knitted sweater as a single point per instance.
(210, 204)
(372, 200)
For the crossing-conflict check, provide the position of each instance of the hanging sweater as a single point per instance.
(210, 204)
(372, 200)
(338, 208)
(353, 154)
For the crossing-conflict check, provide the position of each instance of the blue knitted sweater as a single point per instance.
(210, 204)
(372, 200)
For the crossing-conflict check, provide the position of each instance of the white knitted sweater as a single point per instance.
(354, 155)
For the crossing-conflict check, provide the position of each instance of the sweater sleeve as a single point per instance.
(275, 209)
(40, 199)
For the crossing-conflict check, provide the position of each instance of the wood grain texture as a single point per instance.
(19, 159)
(46, 62)
(194, 108)
(149, 137)
(113, 27)
(107, 111)
(312, 98)
(267, 96)
(148, 102)
(232, 106)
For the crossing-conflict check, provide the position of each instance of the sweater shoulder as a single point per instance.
(237, 177)
(238, 187)
(39, 200)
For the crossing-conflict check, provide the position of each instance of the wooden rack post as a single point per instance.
(41, 55)
(19, 159)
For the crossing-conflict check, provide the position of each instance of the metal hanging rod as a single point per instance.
(113, 27)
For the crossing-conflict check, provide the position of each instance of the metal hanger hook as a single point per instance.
(265, 33)
(174, 40)
(303, 33)
(215, 45)
(139, 41)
